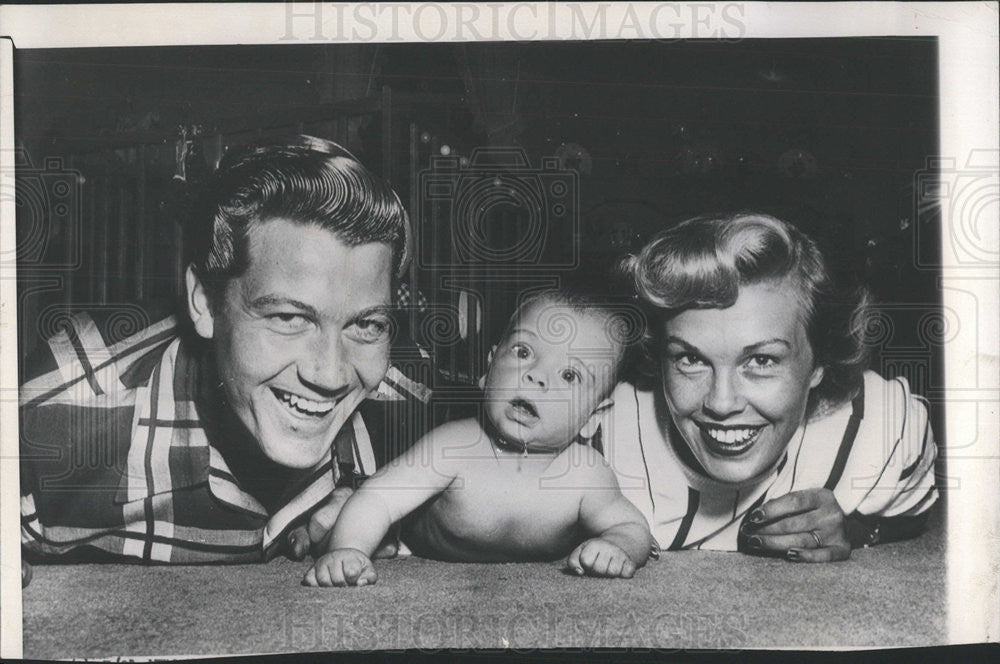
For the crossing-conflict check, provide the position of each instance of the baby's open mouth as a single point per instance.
(729, 440)
(302, 406)
(524, 406)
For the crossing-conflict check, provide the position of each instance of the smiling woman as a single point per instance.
(763, 432)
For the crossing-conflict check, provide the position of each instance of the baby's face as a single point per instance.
(549, 374)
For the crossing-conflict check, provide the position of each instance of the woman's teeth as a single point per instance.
(305, 406)
(732, 436)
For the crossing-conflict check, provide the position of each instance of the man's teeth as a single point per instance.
(304, 405)
(732, 436)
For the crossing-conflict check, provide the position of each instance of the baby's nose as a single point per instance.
(536, 377)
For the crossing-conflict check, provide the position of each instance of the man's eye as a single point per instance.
(571, 375)
(371, 330)
(762, 362)
(288, 322)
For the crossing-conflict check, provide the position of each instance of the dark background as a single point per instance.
(831, 134)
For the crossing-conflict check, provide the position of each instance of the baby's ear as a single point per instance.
(489, 360)
(594, 421)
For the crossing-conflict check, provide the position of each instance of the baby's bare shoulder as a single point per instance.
(455, 440)
(583, 463)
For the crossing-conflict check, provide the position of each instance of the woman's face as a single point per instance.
(737, 380)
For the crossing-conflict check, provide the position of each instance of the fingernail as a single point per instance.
(362, 582)
(755, 542)
(757, 516)
(792, 554)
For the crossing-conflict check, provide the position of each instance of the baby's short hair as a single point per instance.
(595, 293)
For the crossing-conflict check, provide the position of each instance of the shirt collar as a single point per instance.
(170, 448)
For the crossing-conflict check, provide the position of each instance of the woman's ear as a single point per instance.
(590, 428)
(199, 307)
(816, 378)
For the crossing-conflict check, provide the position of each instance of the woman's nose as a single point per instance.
(724, 397)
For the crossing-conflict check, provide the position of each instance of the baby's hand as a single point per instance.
(599, 557)
(342, 567)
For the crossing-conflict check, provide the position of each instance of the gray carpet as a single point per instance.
(891, 595)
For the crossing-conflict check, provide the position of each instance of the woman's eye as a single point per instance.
(288, 322)
(571, 375)
(687, 361)
(371, 330)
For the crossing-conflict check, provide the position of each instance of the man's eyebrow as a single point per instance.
(766, 342)
(277, 301)
(383, 309)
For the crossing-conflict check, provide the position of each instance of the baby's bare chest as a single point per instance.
(504, 501)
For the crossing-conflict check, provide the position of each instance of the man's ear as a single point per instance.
(199, 307)
(590, 428)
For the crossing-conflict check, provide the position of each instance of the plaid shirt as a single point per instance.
(116, 462)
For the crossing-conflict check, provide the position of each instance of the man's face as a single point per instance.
(549, 374)
(737, 380)
(301, 337)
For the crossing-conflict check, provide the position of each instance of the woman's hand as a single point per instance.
(804, 526)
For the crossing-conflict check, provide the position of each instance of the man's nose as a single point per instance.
(325, 367)
(724, 397)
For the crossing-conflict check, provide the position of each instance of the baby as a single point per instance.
(510, 485)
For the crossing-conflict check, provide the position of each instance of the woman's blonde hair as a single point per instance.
(701, 263)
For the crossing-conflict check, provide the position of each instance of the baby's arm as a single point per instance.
(620, 540)
(390, 494)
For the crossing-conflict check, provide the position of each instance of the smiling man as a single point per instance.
(213, 439)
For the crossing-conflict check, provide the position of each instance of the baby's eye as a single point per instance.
(288, 322)
(571, 376)
(521, 351)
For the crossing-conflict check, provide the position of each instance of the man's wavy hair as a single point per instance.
(702, 262)
(305, 180)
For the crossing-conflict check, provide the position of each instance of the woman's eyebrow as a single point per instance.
(671, 339)
(766, 342)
